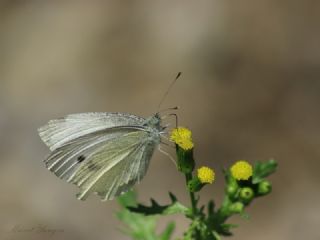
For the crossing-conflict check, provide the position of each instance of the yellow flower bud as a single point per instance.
(241, 170)
(206, 175)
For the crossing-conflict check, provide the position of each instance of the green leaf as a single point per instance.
(173, 197)
(229, 225)
(225, 229)
(128, 199)
(156, 208)
(167, 233)
(140, 227)
(263, 169)
(216, 235)
(197, 230)
(210, 208)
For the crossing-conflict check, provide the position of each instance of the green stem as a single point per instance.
(192, 196)
(196, 233)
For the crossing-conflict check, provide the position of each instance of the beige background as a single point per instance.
(250, 90)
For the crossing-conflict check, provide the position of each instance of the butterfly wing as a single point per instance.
(107, 162)
(58, 132)
(66, 159)
(105, 153)
(116, 166)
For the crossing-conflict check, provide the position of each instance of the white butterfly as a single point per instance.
(104, 153)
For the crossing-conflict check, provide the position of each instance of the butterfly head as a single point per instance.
(154, 122)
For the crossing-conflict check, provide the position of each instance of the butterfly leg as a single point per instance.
(168, 155)
(166, 138)
(171, 114)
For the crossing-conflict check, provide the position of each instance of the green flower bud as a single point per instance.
(236, 207)
(195, 185)
(232, 188)
(185, 160)
(264, 187)
(246, 195)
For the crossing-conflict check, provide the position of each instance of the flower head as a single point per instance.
(206, 175)
(241, 170)
(182, 137)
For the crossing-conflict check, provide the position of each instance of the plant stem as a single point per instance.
(192, 195)
(195, 232)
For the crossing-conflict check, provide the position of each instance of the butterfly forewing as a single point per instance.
(60, 131)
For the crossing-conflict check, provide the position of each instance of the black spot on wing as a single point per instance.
(81, 158)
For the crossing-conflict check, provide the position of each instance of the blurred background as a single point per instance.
(250, 90)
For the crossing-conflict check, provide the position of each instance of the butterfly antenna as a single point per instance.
(168, 90)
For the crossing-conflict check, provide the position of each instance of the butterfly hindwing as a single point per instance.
(115, 167)
(64, 160)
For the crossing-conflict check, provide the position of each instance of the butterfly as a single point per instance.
(102, 153)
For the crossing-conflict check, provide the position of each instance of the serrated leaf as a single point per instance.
(173, 197)
(140, 227)
(176, 208)
(156, 208)
(263, 169)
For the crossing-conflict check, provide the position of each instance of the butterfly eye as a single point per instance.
(81, 158)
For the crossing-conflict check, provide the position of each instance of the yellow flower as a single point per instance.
(206, 175)
(241, 170)
(182, 137)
